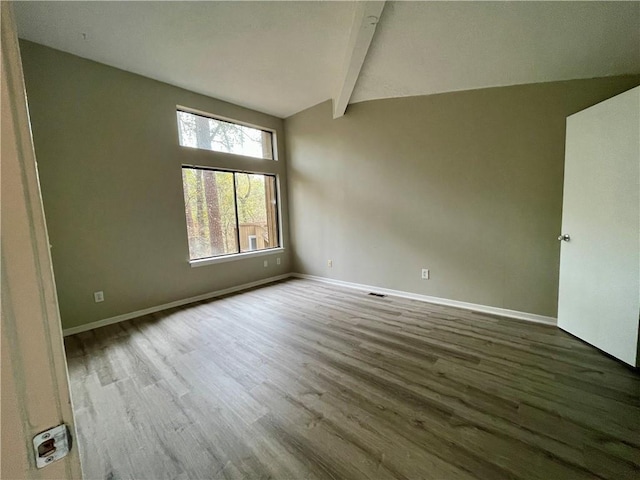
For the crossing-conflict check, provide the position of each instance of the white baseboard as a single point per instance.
(503, 312)
(139, 313)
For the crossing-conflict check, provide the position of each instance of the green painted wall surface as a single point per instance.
(467, 184)
(110, 167)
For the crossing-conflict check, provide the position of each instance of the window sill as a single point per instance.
(236, 256)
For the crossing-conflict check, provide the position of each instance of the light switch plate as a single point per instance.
(51, 445)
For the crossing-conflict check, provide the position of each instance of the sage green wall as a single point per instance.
(467, 184)
(109, 163)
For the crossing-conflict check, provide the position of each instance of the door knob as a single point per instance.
(564, 237)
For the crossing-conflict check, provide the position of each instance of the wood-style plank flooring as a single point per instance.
(301, 379)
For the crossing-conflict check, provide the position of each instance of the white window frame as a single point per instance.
(200, 262)
(221, 161)
(274, 137)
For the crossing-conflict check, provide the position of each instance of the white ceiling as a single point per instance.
(275, 57)
(283, 57)
(431, 47)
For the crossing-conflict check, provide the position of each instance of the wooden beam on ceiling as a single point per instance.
(363, 28)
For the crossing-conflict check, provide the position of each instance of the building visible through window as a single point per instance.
(253, 242)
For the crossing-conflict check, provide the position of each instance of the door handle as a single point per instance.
(564, 238)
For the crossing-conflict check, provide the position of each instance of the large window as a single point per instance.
(208, 133)
(229, 212)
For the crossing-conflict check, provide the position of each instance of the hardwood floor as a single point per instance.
(300, 380)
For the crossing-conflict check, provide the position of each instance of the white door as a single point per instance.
(599, 294)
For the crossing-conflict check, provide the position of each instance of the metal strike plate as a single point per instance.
(51, 445)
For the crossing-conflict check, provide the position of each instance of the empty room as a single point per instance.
(320, 240)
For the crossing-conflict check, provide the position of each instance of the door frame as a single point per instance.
(35, 384)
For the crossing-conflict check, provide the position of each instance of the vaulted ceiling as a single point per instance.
(283, 57)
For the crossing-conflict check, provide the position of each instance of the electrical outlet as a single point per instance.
(98, 296)
(330, 263)
(425, 274)
(266, 263)
(278, 261)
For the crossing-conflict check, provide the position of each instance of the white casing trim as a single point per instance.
(503, 312)
(139, 313)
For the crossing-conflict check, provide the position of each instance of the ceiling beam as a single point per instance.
(363, 28)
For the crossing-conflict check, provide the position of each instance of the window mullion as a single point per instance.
(235, 203)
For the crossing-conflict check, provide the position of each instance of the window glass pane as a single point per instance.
(211, 212)
(257, 211)
(207, 133)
